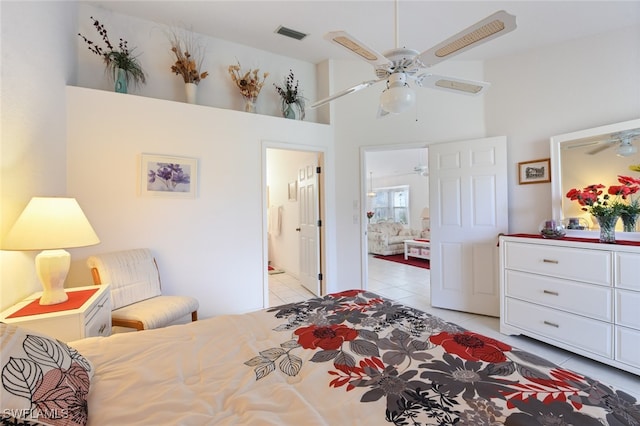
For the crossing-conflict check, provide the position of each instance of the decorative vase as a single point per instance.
(250, 105)
(288, 111)
(191, 90)
(629, 222)
(607, 225)
(120, 78)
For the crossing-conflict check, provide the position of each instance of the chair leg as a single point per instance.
(194, 316)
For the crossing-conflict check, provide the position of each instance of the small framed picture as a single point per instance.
(537, 171)
(166, 176)
(293, 191)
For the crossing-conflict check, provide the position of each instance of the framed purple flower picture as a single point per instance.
(166, 176)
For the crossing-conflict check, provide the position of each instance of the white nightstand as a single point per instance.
(87, 313)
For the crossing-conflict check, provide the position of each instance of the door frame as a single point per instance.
(322, 237)
(364, 263)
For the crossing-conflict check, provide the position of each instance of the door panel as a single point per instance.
(309, 230)
(468, 199)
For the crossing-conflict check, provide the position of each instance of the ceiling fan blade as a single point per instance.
(601, 148)
(452, 84)
(355, 46)
(344, 92)
(487, 29)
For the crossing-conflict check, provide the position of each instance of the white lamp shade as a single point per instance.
(425, 213)
(50, 223)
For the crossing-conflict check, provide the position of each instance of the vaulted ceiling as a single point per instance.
(422, 24)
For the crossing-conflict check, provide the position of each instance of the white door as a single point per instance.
(468, 199)
(309, 230)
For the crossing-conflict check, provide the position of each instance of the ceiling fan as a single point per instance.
(623, 140)
(421, 170)
(402, 68)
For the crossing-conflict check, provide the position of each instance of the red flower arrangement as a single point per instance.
(593, 201)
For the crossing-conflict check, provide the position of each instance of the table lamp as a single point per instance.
(51, 224)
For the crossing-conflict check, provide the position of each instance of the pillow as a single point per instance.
(405, 233)
(44, 381)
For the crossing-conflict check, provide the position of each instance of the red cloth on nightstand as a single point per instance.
(76, 300)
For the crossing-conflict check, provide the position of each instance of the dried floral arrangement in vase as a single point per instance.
(122, 66)
(249, 84)
(291, 95)
(189, 56)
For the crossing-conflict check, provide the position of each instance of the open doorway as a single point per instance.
(396, 208)
(293, 213)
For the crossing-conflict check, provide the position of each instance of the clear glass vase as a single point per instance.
(629, 222)
(250, 105)
(607, 225)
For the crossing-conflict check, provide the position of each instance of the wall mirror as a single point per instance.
(592, 156)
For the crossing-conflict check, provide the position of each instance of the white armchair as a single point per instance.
(136, 296)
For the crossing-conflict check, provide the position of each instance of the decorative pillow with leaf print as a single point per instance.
(43, 380)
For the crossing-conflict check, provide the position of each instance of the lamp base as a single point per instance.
(52, 267)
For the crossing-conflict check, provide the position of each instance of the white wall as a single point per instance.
(210, 247)
(37, 62)
(554, 90)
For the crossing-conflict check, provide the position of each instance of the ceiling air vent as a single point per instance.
(288, 32)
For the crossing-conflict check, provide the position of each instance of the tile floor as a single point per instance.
(410, 286)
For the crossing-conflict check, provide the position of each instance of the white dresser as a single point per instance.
(580, 296)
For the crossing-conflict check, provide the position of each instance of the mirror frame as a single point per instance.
(557, 194)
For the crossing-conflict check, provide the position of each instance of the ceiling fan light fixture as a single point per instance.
(398, 97)
(626, 149)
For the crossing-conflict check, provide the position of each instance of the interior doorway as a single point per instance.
(293, 211)
(395, 190)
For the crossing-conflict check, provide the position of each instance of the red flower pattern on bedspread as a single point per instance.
(325, 337)
(472, 346)
(429, 371)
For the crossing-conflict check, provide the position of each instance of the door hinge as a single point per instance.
(320, 277)
(319, 223)
(318, 170)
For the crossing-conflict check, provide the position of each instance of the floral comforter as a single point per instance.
(351, 358)
(430, 372)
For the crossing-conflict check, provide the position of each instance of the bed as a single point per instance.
(343, 359)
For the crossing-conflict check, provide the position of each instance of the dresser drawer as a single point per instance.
(628, 308)
(628, 346)
(628, 270)
(585, 299)
(593, 266)
(584, 333)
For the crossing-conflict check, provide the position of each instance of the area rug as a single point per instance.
(272, 270)
(399, 258)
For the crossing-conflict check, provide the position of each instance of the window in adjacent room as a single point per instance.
(392, 204)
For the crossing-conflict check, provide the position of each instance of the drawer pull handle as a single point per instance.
(100, 306)
(102, 327)
(553, 293)
(551, 324)
(555, 262)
